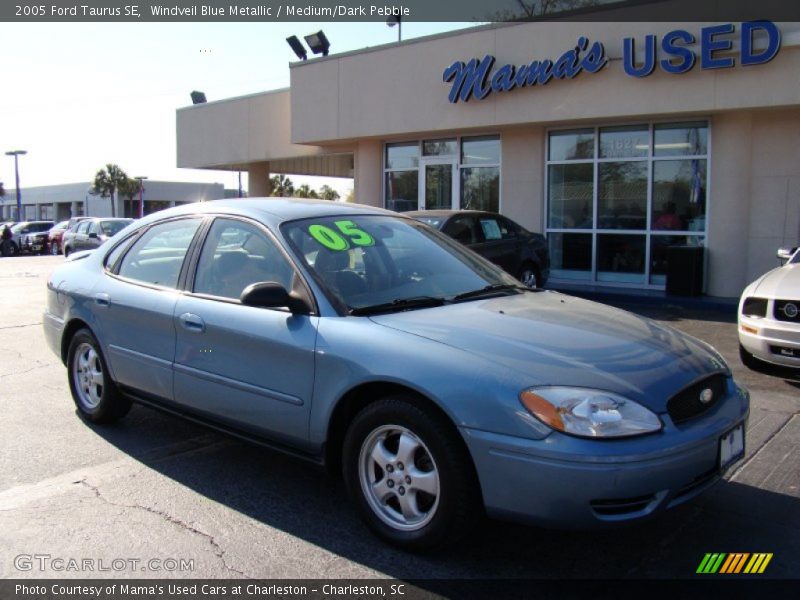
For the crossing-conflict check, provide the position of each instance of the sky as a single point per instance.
(79, 95)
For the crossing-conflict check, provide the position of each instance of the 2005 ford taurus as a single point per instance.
(358, 338)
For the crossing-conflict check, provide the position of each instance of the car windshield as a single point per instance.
(374, 261)
(795, 260)
(110, 228)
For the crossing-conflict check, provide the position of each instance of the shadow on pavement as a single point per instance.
(299, 499)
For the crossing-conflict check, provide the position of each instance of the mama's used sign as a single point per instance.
(478, 78)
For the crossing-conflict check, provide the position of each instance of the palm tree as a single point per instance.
(328, 193)
(106, 183)
(304, 191)
(282, 186)
(129, 189)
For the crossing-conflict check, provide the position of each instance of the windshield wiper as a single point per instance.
(489, 290)
(398, 305)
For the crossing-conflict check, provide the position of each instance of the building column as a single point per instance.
(368, 173)
(258, 183)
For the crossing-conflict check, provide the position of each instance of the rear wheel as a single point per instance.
(54, 248)
(95, 395)
(409, 474)
(66, 251)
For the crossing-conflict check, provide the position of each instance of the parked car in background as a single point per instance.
(93, 232)
(769, 315)
(22, 229)
(497, 238)
(72, 227)
(54, 237)
(442, 388)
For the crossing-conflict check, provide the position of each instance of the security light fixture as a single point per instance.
(318, 43)
(297, 46)
(393, 20)
(198, 97)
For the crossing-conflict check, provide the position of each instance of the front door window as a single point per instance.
(438, 183)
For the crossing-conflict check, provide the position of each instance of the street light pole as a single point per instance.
(16, 154)
(141, 179)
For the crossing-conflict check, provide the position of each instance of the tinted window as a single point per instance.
(157, 256)
(235, 255)
(464, 229)
(111, 228)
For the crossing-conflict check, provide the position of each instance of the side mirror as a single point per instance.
(785, 254)
(270, 294)
(93, 235)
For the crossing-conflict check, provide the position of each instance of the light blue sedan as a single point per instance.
(367, 341)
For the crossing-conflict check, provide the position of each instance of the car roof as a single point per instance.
(446, 213)
(271, 210)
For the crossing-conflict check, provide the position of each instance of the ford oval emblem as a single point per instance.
(706, 396)
(790, 310)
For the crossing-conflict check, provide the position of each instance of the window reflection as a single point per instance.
(402, 190)
(621, 258)
(570, 255)
(679, 195)
(624, 142)
(659, 251)
(570, 197)
(622, 197)
(571, 145)
(680, 139)
(480, 188)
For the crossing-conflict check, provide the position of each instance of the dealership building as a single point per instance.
(619, 141)
(63, 201)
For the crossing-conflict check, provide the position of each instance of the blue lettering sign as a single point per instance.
(709, 45)
(475, 78)
(670, 48)
(629, 57)
(749, 57)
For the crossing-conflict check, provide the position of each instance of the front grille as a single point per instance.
(787, 310)
(687, 404)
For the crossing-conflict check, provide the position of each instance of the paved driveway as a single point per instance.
(157, 487)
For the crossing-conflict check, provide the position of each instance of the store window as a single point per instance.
(446, 173)
(619, 197)
(46, 212)
(401, 186)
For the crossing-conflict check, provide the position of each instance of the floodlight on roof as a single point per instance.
(318, 43)
(198, 97)
(297, 46)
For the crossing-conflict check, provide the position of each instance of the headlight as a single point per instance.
(754, 307)
(589, 413)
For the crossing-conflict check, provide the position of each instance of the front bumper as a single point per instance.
(53, 331)
(572, 483)
(776, 342)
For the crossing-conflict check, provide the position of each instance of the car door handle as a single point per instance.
(102, 300)
(192, 322)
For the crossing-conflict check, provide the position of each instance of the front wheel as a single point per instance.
(54, 249)
(410, 475)
(529, 276)
(95, 395)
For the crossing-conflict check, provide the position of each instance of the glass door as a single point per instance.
(438, 186)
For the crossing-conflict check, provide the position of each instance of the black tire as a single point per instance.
(444, 517)
(54, 249)
(99, 402)
(66, 251)
(529, 275)
(748, 360)
(13, 249)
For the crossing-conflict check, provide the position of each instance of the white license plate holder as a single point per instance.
(731, 448)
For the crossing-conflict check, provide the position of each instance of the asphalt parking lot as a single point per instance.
(154, 487)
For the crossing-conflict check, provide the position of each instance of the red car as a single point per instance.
(54, 237)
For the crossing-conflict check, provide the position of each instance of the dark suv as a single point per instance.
(510, 246)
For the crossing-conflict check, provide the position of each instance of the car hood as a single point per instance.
(554, 339)
(783, 282)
